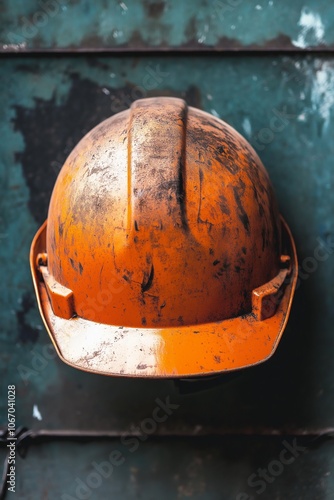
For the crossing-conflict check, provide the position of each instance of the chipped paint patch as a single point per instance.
(246, 125)
(36, 413)
(214, 113)
(14, 46)
(322, 93)
(301, 117)
(123, 7)
(312, 29)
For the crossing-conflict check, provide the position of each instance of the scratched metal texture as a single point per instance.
(284, 106)
(27, 25)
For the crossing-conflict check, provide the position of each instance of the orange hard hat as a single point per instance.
(164, 254)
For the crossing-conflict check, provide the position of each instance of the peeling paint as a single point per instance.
(36, 413)
(322, 94)
(246, 125)
(312, 29)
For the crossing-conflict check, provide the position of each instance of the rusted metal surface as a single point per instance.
(160, 25)
(283, 106)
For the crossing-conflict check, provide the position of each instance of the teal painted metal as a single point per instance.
(200, 469)
(159, 24)
(284, 106)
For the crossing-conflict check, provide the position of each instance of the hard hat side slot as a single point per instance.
(266, 298)
(61, 298)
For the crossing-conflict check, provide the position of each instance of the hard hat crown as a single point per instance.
(169, 211)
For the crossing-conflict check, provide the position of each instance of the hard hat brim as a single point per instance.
(185, 351)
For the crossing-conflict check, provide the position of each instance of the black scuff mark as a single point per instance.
(180, 193)
(60, 227)
(264, 239)
(224, 205)
(200, 194)
(223, 269)
(77, 267)
(100, 276)
(238, 192)
(148, 259)
(231, 166)
(73, 264)
(147, 280)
